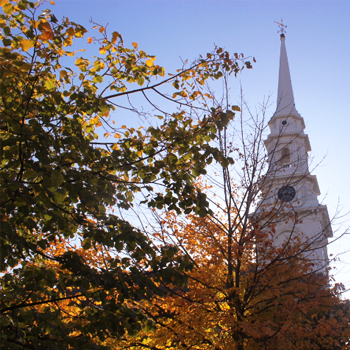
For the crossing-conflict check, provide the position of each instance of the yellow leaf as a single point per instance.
(8, 8)
(149, 63)
(106, 134)
(49, 84)
(89, 40)
(52, 2)
(79, 33)
(102, 50)
(135, 45)
(101, 30)
(79, 61)
(26, 44)
(94, 120)
(117, 136)
(236, 108)
(63, 74)
(25, 66)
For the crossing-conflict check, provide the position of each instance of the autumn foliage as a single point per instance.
(244, 292)
(78, 271)
(72, 168)
(276, 304)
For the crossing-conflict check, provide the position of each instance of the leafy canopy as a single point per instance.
(70, 259)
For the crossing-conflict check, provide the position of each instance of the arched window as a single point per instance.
(285, 155)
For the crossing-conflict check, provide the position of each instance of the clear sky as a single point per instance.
(318, 48)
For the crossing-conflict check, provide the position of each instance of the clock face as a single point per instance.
(286, 193)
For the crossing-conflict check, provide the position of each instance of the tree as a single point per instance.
(281, 306)
(244, 292)
(71, 262)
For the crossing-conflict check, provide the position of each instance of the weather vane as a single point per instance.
(282, 27)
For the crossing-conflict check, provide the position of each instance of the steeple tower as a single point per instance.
(292, 190)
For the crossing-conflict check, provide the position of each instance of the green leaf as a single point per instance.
(98, 79)
(6, 42)
(49, 84)
(60, 195)
(56, 178)
(29, 174)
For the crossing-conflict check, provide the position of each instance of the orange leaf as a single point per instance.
(115, 36)
(46, 31)
(46, 26)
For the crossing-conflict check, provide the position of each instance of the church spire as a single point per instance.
(285, 98)
(291, 191)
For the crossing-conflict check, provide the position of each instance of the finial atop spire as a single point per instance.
(282, 27)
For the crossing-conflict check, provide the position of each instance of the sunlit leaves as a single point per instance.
(26, 44)
(8, 8)
(69, 257)
(149, 63)
(272, 305)
(49, 84)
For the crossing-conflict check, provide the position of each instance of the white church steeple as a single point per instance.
(291, 190)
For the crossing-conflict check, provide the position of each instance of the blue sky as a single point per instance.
(318, 47)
